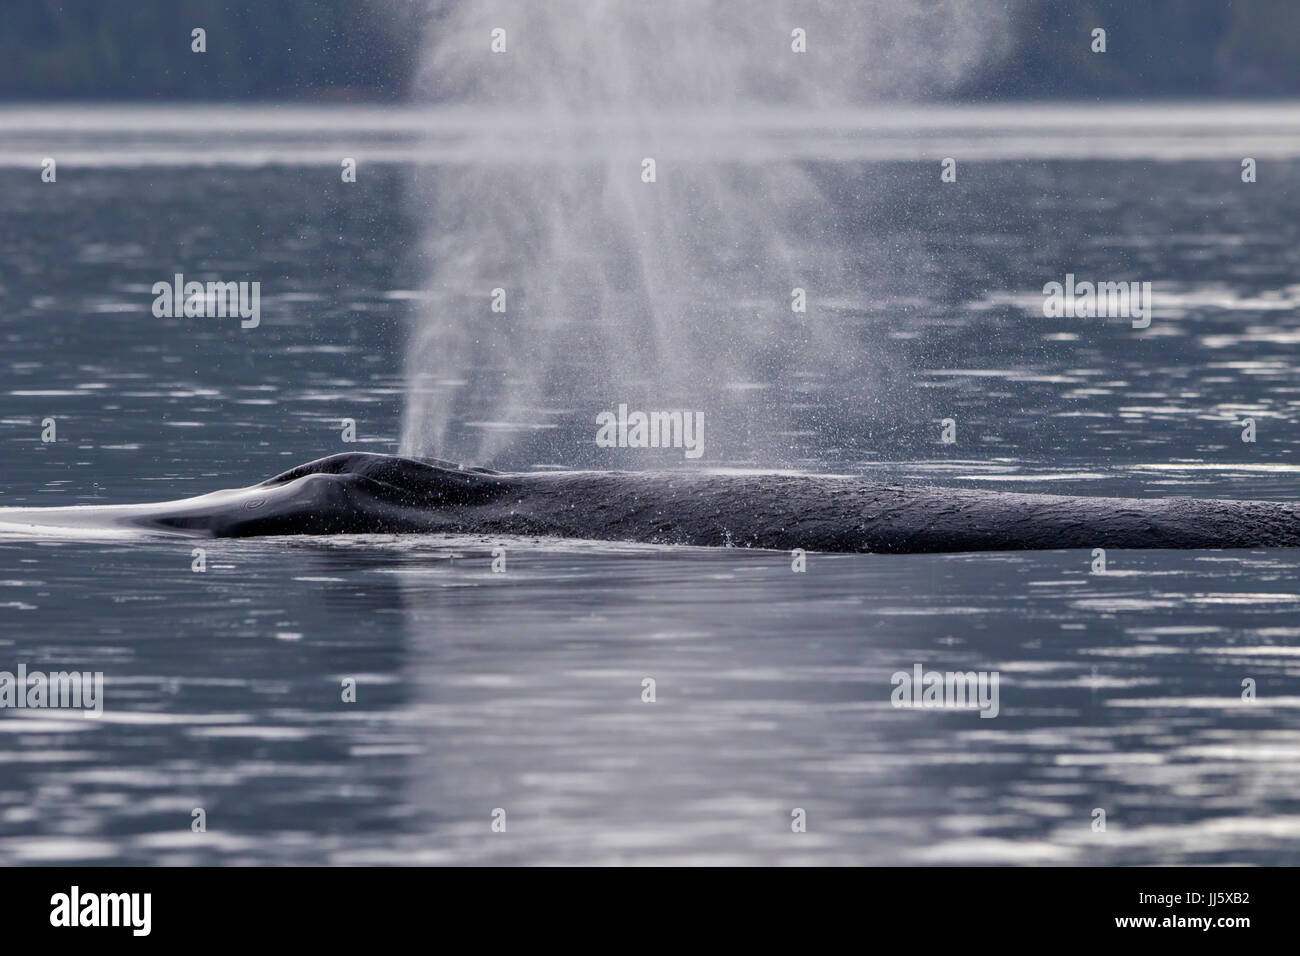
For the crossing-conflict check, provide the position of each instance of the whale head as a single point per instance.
(353, 492)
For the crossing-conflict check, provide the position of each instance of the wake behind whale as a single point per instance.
(360, 493)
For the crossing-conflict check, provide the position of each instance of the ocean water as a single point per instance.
(522, 691)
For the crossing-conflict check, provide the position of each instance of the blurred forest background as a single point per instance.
(366, 50)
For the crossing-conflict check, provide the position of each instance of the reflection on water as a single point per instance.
(522, 691)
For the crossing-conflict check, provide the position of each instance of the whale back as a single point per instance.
(359, 493)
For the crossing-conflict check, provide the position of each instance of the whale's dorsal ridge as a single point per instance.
(368, 464)
(453, 466)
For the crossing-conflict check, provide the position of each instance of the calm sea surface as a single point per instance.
(522, 691)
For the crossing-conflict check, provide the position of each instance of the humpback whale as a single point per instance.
(362, 493)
